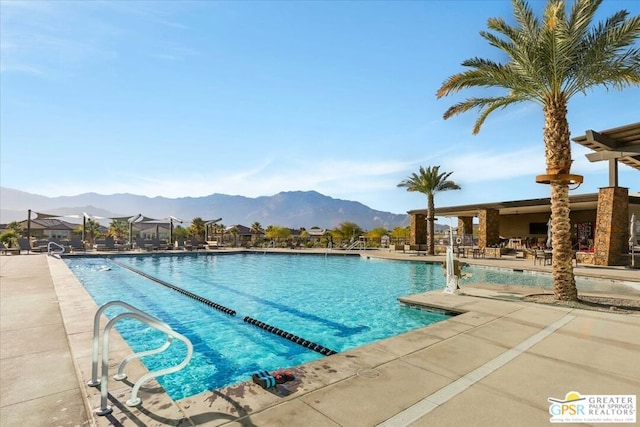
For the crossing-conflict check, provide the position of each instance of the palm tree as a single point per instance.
(119, 229)
(347, 231)
(550, 61)
(429, 181)
(256, 228)
(197, 228)
(92, 230)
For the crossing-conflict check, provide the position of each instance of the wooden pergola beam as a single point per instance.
(601, 140)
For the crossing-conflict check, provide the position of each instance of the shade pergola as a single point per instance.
(42, 215)
(621, 144)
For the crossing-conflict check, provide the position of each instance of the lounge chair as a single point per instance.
(64, 243)
(5, 250)
(99, 245)
(144, 245)
(159, 245)
(24, 244)
(122, 245)
(195, 244)
(179, 244)
(109, 244)
(40, 245)
(77, 245)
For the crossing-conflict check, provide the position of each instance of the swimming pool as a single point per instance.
(335, 301)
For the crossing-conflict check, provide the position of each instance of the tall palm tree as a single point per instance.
(550, 61)
(429, 181)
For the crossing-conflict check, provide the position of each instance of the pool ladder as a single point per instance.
(137, 314)
(54, 248)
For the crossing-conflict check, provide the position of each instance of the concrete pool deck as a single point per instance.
(497, 363)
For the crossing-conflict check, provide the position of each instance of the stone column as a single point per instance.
(612, 226)
(489, 227)
(465, 223)
(418, 229)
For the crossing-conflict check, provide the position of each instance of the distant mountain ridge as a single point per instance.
(292, 209)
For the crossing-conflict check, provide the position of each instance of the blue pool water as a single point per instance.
(337, 302)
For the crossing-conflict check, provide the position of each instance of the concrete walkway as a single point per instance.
(494, 364)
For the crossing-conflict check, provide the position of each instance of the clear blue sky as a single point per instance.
(181, 99)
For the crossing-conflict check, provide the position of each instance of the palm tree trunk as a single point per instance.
(430, 224)
(558, 158)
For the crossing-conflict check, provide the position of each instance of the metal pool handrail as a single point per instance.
(52, 246)
(137, 314)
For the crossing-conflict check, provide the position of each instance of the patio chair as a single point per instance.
(195, 244)
(179, 244)
(539, 257)
(40, 245)
(24, 244)
(159, 244)
(77, 245)
(3, 248)
(144, 245)
(100, 245)
(109, 244)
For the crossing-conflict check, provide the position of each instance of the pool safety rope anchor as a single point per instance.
(291, 337)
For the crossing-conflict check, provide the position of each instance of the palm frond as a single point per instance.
(555, 57)
(429, 180)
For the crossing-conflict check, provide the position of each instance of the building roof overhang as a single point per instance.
(579, 202)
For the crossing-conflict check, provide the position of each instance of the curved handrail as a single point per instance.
(121, 375)
(96, 335)
(145, 318)
(50, 250)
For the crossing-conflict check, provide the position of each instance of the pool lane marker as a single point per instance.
(433, 401)
(203, 300)
(293, 338)
(279, 332)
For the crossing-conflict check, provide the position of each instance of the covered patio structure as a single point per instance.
(600, 220)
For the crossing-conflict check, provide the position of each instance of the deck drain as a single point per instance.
(368, 373)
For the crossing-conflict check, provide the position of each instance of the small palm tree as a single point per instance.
(92, 230)
(429, 181)
(197, 228)
(256, 228)
(118, 229)
(550, 61)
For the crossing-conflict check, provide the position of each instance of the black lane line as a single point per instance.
(342, 329)
(293, 338)
(279, 332)
(225, 365)
(203, 300)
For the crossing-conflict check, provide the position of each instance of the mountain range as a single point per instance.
(292, 209)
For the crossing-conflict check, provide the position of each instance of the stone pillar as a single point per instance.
(465, 223)
(489, 227)
(418, 229)
(612, 223)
